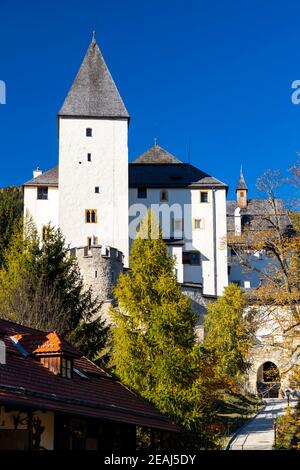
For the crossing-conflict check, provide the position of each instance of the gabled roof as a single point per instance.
(43, 343)
(156, 154)
(94, 93)
(258, 215)
(92, 392)
(49, 178)
(168, 175)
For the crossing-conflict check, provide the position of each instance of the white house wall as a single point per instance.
(42, 211)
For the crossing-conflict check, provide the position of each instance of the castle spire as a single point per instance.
(242, 183)
(94, 92)
(242, 191)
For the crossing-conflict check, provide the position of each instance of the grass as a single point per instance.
(234, 410)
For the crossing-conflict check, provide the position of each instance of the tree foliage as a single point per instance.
(41, 286)
(11, 207)
(229, 333)
(155, 350)
(278, 295)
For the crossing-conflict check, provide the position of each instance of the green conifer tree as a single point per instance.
(229, 333)
(41, 286)
(155, 351)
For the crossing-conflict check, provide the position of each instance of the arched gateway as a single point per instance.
(268, 380)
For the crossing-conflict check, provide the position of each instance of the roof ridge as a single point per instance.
(157, 154)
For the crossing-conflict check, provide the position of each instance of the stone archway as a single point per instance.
(268, 380)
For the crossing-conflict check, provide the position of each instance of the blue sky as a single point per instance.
(216, 73)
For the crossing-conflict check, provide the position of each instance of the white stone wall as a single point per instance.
(108, 169)
(201, 240)
(42, 211)
(272, 344)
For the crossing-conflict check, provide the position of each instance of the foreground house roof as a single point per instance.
(25, 382)
(94, 93)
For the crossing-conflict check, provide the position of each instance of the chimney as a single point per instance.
(37, 172)
(237, 222)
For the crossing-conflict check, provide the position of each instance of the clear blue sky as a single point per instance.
(216, 72)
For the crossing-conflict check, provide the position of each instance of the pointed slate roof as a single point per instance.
(156, 154)
(242, 182)
(94, 93)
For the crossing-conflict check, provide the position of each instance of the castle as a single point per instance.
(98, 199)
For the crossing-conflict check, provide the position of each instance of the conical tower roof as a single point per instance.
(242, 183)
(94, 93)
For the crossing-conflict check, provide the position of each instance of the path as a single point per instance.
(258, 434)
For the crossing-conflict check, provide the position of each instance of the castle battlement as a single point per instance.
(97, 251)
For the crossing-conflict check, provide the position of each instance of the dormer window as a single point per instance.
(58, 365)
(66, 367)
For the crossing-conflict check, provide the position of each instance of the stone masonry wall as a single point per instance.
(100, 268)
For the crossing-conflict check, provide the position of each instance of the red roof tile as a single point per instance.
(24, 381)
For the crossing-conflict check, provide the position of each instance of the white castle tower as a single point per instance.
(93, 159)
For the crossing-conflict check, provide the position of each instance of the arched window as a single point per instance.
(91, 216)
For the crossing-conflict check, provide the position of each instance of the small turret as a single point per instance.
(242, 192)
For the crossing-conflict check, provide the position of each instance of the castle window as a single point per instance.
(95, 241)
(191, 257)
(89, 243)
(89, 157)
(164, 195)
(42, 192)
(90, 216)
(241, 193)
(198, 224)
(142, 193)
(96, 274)
(203, 196)
(66, 367)
(89, 132)
(97, 189)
